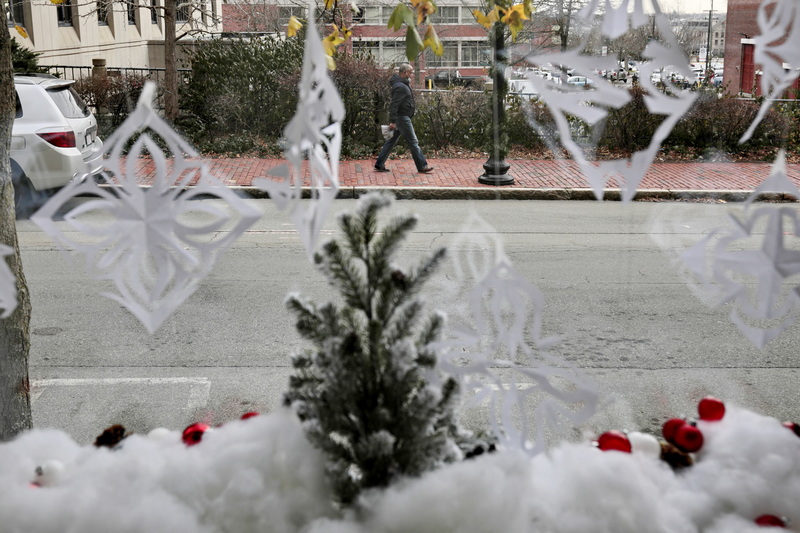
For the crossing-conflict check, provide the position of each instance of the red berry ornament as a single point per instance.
(771, 520)
(794, 426)
(614, 440)
(711, 409)
(688, 438)
(249, 414)
(194, 434)
(671, 427)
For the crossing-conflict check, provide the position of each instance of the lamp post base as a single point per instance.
(496, 173)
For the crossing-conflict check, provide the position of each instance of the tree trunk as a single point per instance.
(170, 61)
(15, 404)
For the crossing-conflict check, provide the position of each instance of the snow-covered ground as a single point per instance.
(261, 475)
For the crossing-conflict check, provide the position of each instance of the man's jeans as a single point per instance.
(404, 128)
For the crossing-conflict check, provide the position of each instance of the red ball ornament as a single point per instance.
(614, 440)
(771, 520)
(688, 438)
(249, 414)
(794, 426)
(671, 427)
(711, 409)
(193, 434)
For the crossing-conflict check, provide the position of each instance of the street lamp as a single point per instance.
(708, 43)
(496, 168)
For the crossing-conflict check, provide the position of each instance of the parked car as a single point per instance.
(450, 78)
(580, 81)
(53, 139)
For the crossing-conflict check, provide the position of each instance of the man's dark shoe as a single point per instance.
(381, 169)
(426, 170)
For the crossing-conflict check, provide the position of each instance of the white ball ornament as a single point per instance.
(644, 443)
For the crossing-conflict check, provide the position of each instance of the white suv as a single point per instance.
(54, 139)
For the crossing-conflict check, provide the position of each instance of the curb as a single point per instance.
(500, 193)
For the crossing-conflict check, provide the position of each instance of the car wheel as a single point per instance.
(25, 196)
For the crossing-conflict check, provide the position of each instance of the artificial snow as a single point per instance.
(262, 475)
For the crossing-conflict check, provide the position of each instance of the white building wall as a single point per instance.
(139, 45)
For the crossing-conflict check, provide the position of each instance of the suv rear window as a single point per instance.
(69, 102)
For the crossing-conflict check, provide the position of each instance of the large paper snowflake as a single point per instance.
(314, 139)
(753, 264)
(8, 284)
(155, 245)
(575, 108)
(777, 50)
(500, 354)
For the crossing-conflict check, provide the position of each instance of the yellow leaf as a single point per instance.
(57, 2)
(514, 18)
(21, 31)
(294, 26)
(330, 63)
(486, 20)
(333, 40)
(432, 41)
(329, 4)
(424, 8)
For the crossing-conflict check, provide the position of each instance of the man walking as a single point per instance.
(400, 112)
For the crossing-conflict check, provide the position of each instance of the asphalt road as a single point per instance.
(624, 313)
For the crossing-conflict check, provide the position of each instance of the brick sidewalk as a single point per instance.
(528, 174)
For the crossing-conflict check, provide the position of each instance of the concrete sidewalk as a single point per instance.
(533, 179)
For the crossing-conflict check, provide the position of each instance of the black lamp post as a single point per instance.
(496, 168)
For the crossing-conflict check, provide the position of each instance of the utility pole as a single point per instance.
(708, 43)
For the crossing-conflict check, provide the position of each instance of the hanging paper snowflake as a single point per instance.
(155, 244)
(500, 354)
(753, 264)
(8, 284)
(580, 112)
(776, 51)
(314, 139)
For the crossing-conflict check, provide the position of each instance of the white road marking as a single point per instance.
(199, 388)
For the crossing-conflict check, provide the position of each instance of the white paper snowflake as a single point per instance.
(155, 244)
(314, 139)
(777, 51)
(8, 284)
(753, 264)
(591, 106)
(499, 353)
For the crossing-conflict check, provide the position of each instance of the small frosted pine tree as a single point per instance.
(362, 392)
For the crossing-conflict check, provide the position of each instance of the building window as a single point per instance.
(367, 49)
(16, 14)
(213, 11)
(466, 14)
(446, 15)
(475, 54)
(64, 13)
(287, 12)
(154, 11)
(102, 12)
(132, 8)
(449, 57)
(358, 15)
(182, 13)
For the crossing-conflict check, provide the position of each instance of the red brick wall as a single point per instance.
(741, 21)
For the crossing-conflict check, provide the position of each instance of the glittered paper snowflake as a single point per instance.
(777, 51)
(314, 139)
(500, 354)
(753, 264)
(8, 284)
(580, 112)
(154, 244)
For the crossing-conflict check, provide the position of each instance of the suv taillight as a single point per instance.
(61, 139)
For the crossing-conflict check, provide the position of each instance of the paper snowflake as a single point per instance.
(753, 264)
(155, 244)
(8, 284)
(314, 139)
(777, 51)
(499, 352)
(575, 109)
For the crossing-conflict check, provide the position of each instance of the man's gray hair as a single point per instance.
(404, 67)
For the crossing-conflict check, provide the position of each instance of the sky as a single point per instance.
(694, 6)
